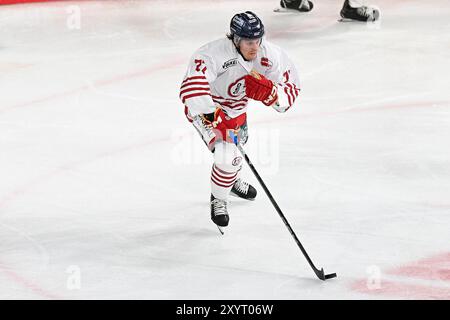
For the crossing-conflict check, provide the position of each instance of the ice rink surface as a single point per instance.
(104, 185)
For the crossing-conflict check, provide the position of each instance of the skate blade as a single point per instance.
(236, 196)
(354, 21)
(220, 229)
(287, 10)
(281, 10)
(348, 20)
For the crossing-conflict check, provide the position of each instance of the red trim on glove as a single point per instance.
(258, 87)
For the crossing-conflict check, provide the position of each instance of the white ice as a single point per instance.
(104, 185)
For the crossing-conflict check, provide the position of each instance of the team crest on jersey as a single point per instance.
(229, 63)
(237, 161)
(265, 62)
(237, 88)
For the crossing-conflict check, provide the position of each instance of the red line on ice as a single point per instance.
(433, 268)
(403, 290)
(28, 284)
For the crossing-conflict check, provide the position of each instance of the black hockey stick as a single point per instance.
(319, 273)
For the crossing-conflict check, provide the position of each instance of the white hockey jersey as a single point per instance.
(216, 76)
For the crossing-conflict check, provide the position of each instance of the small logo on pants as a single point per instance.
(237, 161)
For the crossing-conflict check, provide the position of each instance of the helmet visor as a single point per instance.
(247, 41)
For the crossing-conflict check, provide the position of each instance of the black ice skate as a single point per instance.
(299, 5)
(219, 213)
(362, 13)
(243, 190)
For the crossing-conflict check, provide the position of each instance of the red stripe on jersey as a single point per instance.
(292, 96)
(195, 95)
(194, 89)
(288, 96)
(239, 108)
(292, 91)
(230, 99)
(231, 103)
(193, 83)
(194, 78)
(234, 106)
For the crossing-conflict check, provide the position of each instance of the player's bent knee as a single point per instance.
(227, 157)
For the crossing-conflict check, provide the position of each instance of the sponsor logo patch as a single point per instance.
(229, 63)
(265, 62)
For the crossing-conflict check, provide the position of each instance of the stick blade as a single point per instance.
(330, 276)
(322, 276)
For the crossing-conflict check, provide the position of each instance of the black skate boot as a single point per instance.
(243, 190)
(219, 213)
(362, 13)
(300, 5)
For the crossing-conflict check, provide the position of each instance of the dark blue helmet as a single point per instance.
(246, 25)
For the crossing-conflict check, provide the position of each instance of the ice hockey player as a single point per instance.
(351, 10)
(221, 78)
